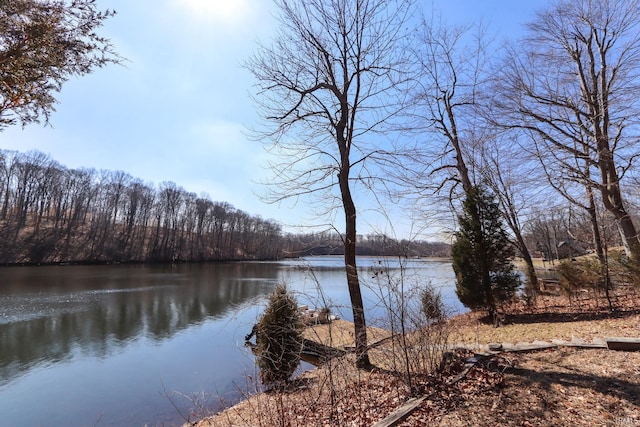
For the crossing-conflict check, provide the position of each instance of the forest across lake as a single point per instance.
(52, 214)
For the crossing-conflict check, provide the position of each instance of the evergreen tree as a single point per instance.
(279, 338)
(482, 255)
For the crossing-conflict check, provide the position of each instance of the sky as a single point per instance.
(179, 108)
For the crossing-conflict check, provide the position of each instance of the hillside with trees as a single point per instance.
(331, 243)
(49, 213)
(53, 214)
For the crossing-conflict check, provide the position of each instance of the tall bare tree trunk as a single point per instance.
(597, 241)
(353, 283)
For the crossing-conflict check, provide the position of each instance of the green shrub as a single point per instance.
(624, 270)
(279, 338)
(432, 305)
(584, 273)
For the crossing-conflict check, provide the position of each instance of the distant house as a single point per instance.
(571, 248)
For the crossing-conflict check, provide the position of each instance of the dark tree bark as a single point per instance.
(333, 77)
(573, 81)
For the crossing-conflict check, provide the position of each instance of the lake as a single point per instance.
(134, 345)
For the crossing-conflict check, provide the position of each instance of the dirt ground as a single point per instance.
(470, 328)
(557, 387)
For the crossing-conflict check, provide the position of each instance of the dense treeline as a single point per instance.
(49, 213)
(52, 214)
(331, 243)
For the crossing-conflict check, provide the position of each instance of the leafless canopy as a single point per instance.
(329, 83)
(453, 64)
(573, 84)
(327, 86)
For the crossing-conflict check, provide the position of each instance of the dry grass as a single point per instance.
(334, 394)
(339, 334)
(560, 387)
(471, 329)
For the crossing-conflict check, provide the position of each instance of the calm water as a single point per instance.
(106, 345)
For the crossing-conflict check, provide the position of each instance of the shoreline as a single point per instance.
(210, 261)
(466, 329)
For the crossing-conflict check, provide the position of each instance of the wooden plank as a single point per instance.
(527, 346)
(411, 405)
(584, 344)
(401, 413)
(623, 344)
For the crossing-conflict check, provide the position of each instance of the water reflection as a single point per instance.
(48, 313)
(86, 343)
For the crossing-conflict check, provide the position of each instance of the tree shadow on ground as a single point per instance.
(562, 317)
(619, 388)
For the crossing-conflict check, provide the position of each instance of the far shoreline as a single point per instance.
(211, 261)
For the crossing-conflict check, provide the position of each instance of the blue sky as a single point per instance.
(178, 110)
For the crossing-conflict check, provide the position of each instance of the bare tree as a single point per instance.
(332, 78)
(576, 74)
(514, 180)
(8, 166)
(454, 73)
(453, 69)
(568, 174)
